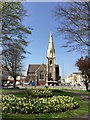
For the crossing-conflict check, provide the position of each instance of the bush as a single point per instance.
(38, 93)
(13, 104)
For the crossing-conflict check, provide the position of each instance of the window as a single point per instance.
(50, 51)
(50, 75)
(41, 75)
(50, 62)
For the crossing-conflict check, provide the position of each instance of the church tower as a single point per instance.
(50, 66)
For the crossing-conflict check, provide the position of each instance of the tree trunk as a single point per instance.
(87, 87)
(14, 84)
(86, 84)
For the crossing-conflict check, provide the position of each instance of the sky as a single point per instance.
(40, 18)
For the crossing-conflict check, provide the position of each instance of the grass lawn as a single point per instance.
(81, 111)
(9, 90)
(4, 91)
(80, 91)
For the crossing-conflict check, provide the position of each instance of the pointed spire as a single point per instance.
(51, 51)
(51, 36)
(51, 39)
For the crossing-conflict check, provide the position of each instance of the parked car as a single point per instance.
(28, 83)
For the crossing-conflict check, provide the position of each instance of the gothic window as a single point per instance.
(50, 51)
(50, 75)
(50, 62)
(41, 75)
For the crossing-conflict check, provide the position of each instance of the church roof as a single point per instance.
(33, 67)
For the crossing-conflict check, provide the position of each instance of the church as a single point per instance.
(45, 74)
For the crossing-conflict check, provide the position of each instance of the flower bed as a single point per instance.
(13, 104)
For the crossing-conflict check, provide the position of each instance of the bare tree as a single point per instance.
(13, 62)
(73, 22)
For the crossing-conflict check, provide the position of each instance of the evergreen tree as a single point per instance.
(13, 31)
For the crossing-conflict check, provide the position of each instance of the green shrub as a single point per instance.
(13, 104)
(38, 93)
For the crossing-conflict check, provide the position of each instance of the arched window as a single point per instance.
(50, 51)
(50, 62)
(50, 75)
(41, 75)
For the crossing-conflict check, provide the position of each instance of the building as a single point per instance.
(75, 78)
(45, 74)
(20, 78)
(6, 78)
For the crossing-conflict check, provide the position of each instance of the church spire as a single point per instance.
(50, 66)
(51, 50)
